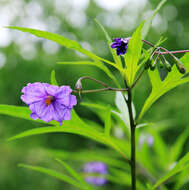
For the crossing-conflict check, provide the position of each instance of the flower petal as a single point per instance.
(51, 89)
(33, 93)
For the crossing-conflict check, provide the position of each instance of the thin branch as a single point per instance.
(99, 90)
(138, 78)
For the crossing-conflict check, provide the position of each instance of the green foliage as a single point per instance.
(148, 23)
(117, 59)
(62, 41)
(159, 87)
(92, 63)
(53, 78)
(182, 164)
(55, 174)
(108, 122)
(74, 174)
(133, 55)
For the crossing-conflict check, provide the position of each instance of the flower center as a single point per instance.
(49, 100)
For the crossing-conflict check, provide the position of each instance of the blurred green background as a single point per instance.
(25, 58)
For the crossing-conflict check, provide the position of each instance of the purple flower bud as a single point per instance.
(98, 168)
(49, 102)
(121, 45)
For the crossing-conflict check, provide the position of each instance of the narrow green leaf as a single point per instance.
(148, 22)
(107, 156)
(53, 78)
(66, 128)
(62, 41)
(108, 122)
(181, 165)
(133, 55)
(176, 148)
(83, 130)
(74, 174)
(53, 173)
(117, 59)
(20, 112)
(99, 109)
(159, 87)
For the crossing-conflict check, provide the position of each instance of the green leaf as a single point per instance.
(20, 112)
(108, 122)
(104, 155)
(148, 22)
(79, 129)
(177, 148)
(181, 165)
(99, 109)
(117, 59)
(93, 63)
(53, 78)
(159, 87)
(53, 173)
(133, 55)
(73, 173)
(62, 41)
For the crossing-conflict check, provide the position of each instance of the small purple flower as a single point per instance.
(121, 45)
(49, 102)
(98, 168)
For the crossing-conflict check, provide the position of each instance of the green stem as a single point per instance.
(132, 128)
(133, 152)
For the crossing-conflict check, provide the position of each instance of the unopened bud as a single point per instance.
(161, 65)
(180, 66)
(153, 64)
(168, 65)
(78, 85)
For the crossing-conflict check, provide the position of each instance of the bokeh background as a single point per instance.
(25, 58)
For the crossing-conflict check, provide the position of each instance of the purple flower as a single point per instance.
(121, 45)
(49, 102)
(98, 168)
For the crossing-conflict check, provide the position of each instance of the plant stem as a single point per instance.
(99, 90)
(132, 127)
(133, 153)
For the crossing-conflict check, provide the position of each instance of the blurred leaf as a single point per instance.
(74, 174)
(160, 149)
(108, 122)
(181, 165)
(99, 109)
(55, 174)
(53, 78)
(174, 79)
(133, 55)
(93, 63)
(62, 41)
(148, 22)
(79, 129)
(103, 155)
(122, 177)
(117, 59)
(181, 180)
(177, 148)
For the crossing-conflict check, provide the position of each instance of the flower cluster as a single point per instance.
(49, 102)
(98, 168)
